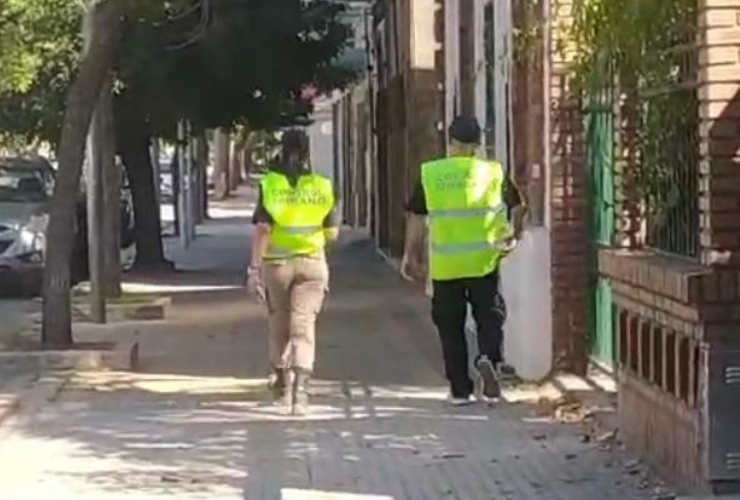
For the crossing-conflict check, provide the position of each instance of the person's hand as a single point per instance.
(255, 286)
(510, 245)
(410, 268)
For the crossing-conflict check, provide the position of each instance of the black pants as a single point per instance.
(449, 312)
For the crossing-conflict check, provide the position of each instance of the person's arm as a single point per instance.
(260, 242)
(261, 235)
(331, 233)
(517, 203)
(331, 225)
(413, 252)
(413, 247)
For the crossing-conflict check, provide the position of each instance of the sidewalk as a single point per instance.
(193, 424)
(16, 316)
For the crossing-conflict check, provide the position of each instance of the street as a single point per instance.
(194, 423)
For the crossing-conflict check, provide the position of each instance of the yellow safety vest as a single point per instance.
(468, 222)
(298, 213)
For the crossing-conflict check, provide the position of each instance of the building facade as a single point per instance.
(631, 259)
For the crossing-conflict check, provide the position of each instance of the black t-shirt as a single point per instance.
(418, 202)
(262, 216)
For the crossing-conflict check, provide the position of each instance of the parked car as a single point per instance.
(26, 187)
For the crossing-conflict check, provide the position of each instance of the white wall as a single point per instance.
(452, 61)
(503, 57)
(321, 139)
(480, 62)
(525, 274)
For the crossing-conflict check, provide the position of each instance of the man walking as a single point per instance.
(295, 218)
(466, 200)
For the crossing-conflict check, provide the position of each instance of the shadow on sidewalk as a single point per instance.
(206, 437)
(195, 422)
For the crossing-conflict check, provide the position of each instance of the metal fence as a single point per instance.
(669, 156)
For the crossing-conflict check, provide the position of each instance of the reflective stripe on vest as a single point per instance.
(466, 213)
(458, 248)
(301, 229)
(298, 212)
(468, 223)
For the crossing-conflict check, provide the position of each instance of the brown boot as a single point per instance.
(300, 392)
(279, 387)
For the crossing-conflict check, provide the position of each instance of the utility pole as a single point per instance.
(184, 205)
(95, 198)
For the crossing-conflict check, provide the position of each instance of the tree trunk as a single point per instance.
(111, 193)
(201, 163)
(250, 148)
(136, 153)
(157, 170)
(237, 165)
(81, 101)
(221, 169)
(175, 172)
(248, 165)
(205, 160)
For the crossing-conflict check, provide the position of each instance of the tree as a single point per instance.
(291, 42)
(40, 46)
(222, 146)
(133, 139)
(83, 96)
(176, 53)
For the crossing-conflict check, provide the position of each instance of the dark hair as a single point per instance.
(293, 155)
(465, 129)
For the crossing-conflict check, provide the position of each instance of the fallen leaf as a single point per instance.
(607, 436)
(660, 493)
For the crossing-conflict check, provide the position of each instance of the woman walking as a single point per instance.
(294, 219)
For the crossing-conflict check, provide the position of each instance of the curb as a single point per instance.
(122, 355)
(29, 393)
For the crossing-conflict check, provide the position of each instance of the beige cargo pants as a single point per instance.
(296, 289)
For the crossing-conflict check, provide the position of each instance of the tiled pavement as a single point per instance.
(193, 424)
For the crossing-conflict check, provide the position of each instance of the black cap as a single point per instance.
(465, 129)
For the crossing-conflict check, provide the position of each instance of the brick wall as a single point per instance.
(719, 95)
(570, 239)
(677, 319)
(403, 143)
(467, 57)
(528, 111)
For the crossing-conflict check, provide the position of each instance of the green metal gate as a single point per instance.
(600, 155)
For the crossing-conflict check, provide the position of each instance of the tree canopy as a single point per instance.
(250, 63)
(40, 45)
(216, 62)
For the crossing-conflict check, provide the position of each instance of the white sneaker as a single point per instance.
(489, 382)
(459, 401)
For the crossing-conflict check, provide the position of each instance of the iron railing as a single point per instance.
(669, 155)
(670, 177)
